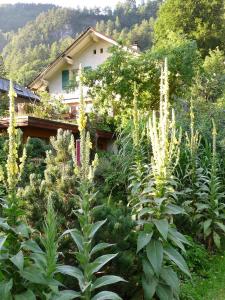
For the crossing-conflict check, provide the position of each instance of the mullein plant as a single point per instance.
(210, 206)
(191, 171)
(27, 270)
(90, 263)
(158, 238)
(12, 222)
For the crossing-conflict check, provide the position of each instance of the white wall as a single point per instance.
(86, 58)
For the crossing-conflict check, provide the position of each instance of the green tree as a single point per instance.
(201, 20)
(3, 72)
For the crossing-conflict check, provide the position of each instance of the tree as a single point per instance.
(209, 84)
(201, 20)
(2, 67)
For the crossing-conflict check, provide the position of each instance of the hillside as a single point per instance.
(16, 16)
(33, 46)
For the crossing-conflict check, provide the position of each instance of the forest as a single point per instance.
(147, 220)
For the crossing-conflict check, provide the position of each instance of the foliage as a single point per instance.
(210, 82)
(210, 207)
(48, 107)
(183, 59)
(201, 20)
(112, 83)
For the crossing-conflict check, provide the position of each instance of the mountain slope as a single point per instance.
(16, 16)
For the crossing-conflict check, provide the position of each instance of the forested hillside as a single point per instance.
(30, 48)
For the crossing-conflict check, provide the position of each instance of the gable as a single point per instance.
(82, 47)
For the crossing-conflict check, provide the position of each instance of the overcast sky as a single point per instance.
(67, 3)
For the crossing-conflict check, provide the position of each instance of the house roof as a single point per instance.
(20, 90)
(89, 31)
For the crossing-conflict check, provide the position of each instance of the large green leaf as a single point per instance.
(177, 258)
(221, 226)
(23, 230)
(206, 227)
(106, 280)
(100, 247)
(66, 295)
(149, 287)
(33, 275)
(95, 227)
(28, 295)
(76, 236)
(162, 226)
(32, 246)
(155, 255)
(2, 241)
(216, 239)
(172, 209)
(143, 240)
(18, 260)
(170, 278)
(100, 262)
(105, 295)
(5, 288)
(164, 292)
(71, 271)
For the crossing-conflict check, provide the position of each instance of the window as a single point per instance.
(94, 51)
(101, 50)
(65, 79)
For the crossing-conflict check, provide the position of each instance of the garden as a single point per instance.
(145, 221)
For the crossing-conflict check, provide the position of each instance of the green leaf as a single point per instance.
(155, 255)
(66, 295)
(106, 280)
(164, 292)
(5, 288)
(170, 278)
(22, 230)
(162, 226)
(95, 227)
(28, 295)
(2, 241)
(71, 271)
(221, 226)
(206, 226)
(172, 209)
(143, 240)
(105, 295)
(32, 246)
(101, 261)
(175, 256)
(76, 236)
(149, 287)
(216, 239)
(100, 247)
(33, 275)
(18, 260)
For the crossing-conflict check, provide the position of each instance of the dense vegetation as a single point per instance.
(147, 217)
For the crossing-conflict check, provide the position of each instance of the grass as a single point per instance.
(212, 287)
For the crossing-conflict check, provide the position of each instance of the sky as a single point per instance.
(67, 3)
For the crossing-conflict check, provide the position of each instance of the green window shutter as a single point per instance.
(65, 79)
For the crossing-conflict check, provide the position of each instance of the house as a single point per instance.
(24, 95)
(90, 49)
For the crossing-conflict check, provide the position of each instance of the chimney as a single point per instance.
(135, 46)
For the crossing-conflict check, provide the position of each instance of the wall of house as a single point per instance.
(86, 58)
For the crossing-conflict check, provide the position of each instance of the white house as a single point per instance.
(90, 49)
